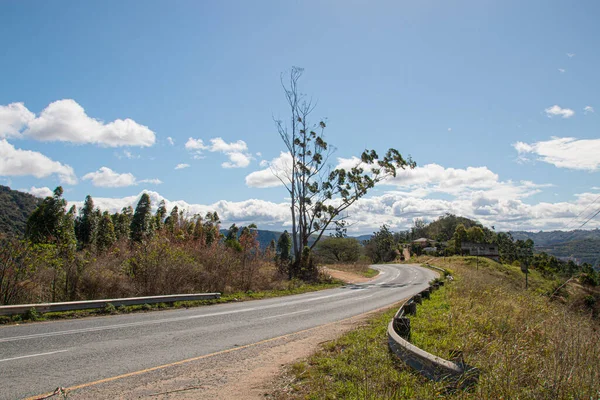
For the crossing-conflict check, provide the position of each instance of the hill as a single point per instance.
(583, 246)
(15, 208)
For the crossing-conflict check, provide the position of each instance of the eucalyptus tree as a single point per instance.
(320, 195)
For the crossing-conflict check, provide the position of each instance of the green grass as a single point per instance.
(525, 345)
(370, 273)
(294, 287)
(358, 366)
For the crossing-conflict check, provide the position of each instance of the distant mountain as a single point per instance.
(584, 246)
(556, 237)
(265, 237)
(15, 208)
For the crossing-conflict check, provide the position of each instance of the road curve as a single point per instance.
(37, 358)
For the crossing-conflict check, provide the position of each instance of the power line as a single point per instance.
(579, 215)
(592, 217)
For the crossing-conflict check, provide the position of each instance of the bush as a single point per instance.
(589, 300)
(32, 315)
(109, 309)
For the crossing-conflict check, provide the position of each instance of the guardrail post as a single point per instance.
(441, 283)
(402, 327)
(410, 308)
(417, 298)
(426, 294)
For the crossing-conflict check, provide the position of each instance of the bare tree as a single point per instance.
(319, 195)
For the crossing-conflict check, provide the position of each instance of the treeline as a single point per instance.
(69, 255)
(449, 232)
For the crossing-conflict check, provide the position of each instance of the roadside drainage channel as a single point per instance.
(456, 372)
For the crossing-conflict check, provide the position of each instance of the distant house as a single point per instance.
(423, 242)
(481, 249)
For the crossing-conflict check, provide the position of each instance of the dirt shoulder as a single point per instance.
(346, 276)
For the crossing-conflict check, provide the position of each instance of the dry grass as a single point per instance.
(526, 346)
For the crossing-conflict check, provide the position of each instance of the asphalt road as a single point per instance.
(36, 358)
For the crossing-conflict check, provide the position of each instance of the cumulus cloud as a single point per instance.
(569, 153)
(236, 151)
(562, 70)
(264, 213)
(106, 177)
(171, 141)
(13, 118)
(66, 121)
(395, 209)
(570, 55)
(556, 110)
(588, 109)
(17, 162)
(277, 170)
(182, 166)
(42, 192)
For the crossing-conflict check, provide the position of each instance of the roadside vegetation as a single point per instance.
(528, 344)
(293, 287)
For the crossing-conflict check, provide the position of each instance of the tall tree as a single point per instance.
(172, 221)
(460, 236)
(141, 223)
(211, 227)
(475, 234)
(161, 213)
(319, 196)
(122, 222)
(106, 233)
(45, 224)
(381, 247)
(86, 223)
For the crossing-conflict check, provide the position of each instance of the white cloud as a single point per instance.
(570, 55)
(569, 153)
(449, 129)
(182, 166)
(588, 109)
(397, 210)
(17, 162)
(127, 154)
(562, 70)
(265, 213)
(106, 177)
(13, 118)
(171, 141)
(42, 192)
(556, 110)
(278, 169)
(195, 144)
(66, 121)
(236, 151)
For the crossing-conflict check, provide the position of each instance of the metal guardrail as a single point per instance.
(435, 368)
(89, 304)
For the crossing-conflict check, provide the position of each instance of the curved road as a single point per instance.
(36, 358)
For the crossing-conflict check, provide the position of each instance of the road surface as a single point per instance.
(38, 357)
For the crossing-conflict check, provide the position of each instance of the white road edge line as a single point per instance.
(33, 355)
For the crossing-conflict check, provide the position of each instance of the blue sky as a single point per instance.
(494, 100)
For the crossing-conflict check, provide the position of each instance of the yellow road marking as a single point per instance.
(143, 371)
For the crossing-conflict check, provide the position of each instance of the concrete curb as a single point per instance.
(89, 304)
